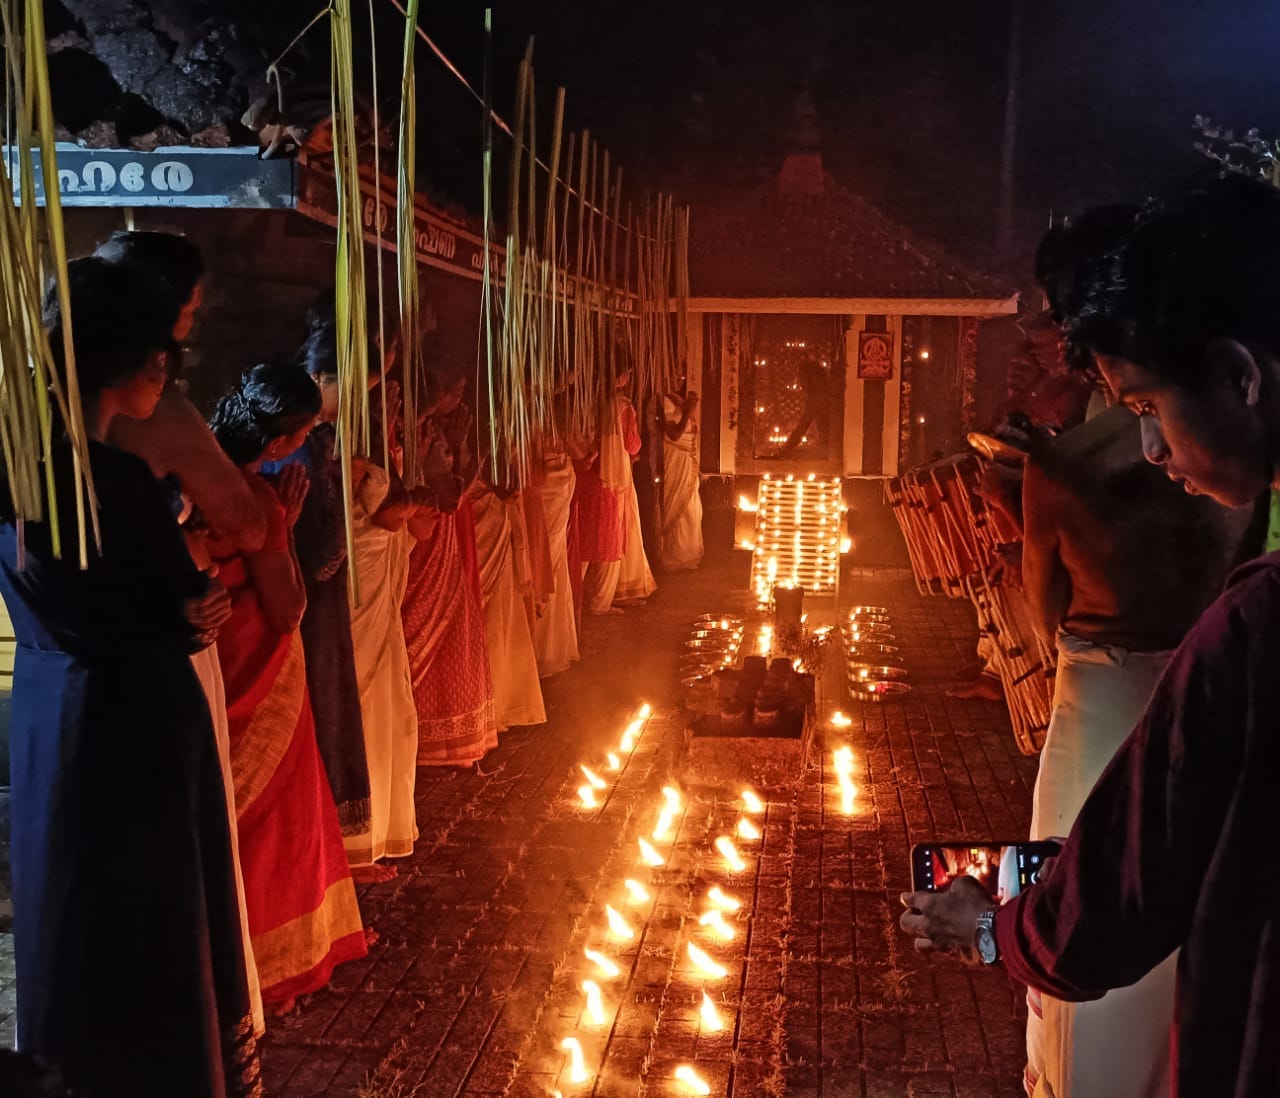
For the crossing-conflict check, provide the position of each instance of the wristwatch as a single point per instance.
(984, 938)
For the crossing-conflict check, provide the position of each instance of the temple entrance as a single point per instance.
(791, 404)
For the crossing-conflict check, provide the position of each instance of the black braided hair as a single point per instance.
(270, 401)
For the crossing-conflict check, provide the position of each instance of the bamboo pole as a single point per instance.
(407, 262)
(351, 310)
(28, 379)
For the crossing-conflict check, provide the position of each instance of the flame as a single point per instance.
(637, 893)
(587, 796)
(842, 760)
(842, 763)
(754, 803)
(630, 734)
(577, 1067)
(672, 796)
(722, 899)
(846, 545)
(839, 720)
(650, 856)
(747, 830)
(711, 1020)
(715, 920)
(764, 642)
(848, 793)
(646, 711)
(662, 831)
(595, 1005)
(615, 763)
(706, 963)
(692, 1079)
(607, 968)
(596, 781)
(729, 852)
(618, 926)
(745, 504)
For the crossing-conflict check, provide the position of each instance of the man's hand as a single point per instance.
(291, 486)
(947, 920)
(1006, 569)
(1000, 485)
(207, 614)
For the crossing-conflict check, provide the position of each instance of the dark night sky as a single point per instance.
(701, 96)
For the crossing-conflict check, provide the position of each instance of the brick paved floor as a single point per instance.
(477, 976)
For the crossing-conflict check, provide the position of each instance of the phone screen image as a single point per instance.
(1003, 869)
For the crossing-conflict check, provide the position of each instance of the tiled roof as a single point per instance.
(780, 243)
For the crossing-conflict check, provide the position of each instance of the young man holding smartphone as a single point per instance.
(1170, 849)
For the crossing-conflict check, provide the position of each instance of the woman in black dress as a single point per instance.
(129, 958)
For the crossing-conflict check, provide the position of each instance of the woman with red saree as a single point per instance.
(303, 915)
(443, 612)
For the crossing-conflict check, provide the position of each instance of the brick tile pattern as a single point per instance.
(477, 974)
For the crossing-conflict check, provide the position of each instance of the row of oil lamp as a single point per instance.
(614, 760)
(871, 656)
(797, 537)
(713, 921)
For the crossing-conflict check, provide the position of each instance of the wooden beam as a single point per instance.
(858, 306)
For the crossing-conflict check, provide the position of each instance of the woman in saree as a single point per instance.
(443, 611)
(381, 506)
(555, 631)
(681, 495)
(628, 578)
(506, 586)
(302, 907)
(130, 967)
(320, 539)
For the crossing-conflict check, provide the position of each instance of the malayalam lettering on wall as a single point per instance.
(184, 177)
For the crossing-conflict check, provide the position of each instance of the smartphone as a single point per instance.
(1003, 869)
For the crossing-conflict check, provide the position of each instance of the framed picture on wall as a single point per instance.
(875, 356)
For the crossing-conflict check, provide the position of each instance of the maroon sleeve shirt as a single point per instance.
(1177, 847)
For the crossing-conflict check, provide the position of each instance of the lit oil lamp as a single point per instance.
(672, 796)
(730, 854)
(595, 1004)
(646, 711)
(839, 720)
(842, 763)
(706, 964)
(587, 796)
(692, 1080)
(752, 802)
(715, 921)
(711, 1020)
(593, 778)
(747, 830)
(662, 830)
(629, 737)
(607, 968)
(649, 855)
(842, 760)
(636, 892)
(722, 899)
(577, 1066)
(618, 926)
(615, 763)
